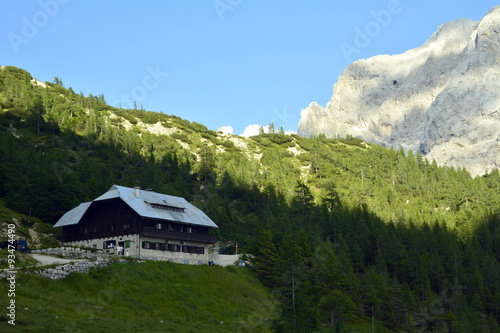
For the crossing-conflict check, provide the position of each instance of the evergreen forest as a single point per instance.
(347, 235)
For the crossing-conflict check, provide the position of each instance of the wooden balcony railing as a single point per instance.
(190, 237)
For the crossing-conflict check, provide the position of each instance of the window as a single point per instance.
(174, 247)
(126, 225)
(158, 225)
(155, 246)
(95, 228)
(109, 244)
(193, 249)
(189, 230)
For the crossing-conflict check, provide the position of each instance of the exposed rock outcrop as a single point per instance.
(442, 98)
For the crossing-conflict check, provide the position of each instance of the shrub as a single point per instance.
(228, 144)
(199, 127)
(280, 138)
(181, 136)
(26, 222)
(45, 228)
(306, 144)
(305, 157)
(47, 242)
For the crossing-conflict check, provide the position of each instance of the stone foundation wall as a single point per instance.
(134, 250)
(60, 272)
(176, 257)
(98, 244)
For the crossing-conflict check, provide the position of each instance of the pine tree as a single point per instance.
(303, 202)
(266, 258)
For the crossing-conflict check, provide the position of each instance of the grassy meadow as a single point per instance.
(142, 297)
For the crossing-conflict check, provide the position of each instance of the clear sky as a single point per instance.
(217, 62)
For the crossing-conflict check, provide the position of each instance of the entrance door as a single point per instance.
(121, 247)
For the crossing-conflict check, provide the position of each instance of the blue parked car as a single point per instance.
(20, 245)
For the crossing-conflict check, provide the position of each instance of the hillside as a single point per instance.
(143, 297)
(440, 99)
(343, 231)
(60, 148)
(37, 233)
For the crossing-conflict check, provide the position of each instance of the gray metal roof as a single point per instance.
(73, 216)
(143, 206)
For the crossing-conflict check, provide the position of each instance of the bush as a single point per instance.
(45, 228)
(353, 141)
(149, 117)
(256, 138)
(48, 242)
(306, 144)
(167, 124)
(127, 114)
(181, 136)
(280, 138)
(208, 136)
(199, 127)
(305, 157)
(26, 222)
(228, 144)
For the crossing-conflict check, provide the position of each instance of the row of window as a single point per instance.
(84, 229)
(170, 227)
(173, 247)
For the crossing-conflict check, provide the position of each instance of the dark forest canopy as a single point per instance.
(342, 231)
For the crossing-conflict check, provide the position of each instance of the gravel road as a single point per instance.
(48, 260)
(227, 259)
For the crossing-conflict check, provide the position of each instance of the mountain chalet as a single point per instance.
(141, 224)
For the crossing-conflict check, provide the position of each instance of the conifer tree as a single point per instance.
(265, 260)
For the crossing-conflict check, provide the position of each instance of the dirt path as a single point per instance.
(48, 260)
(227, 259)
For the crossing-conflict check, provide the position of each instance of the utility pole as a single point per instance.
(373, 321)
(293, 298)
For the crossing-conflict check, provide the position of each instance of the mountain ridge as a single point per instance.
(439, 99)
(346, 226)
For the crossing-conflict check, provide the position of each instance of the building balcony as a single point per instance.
(174, 235)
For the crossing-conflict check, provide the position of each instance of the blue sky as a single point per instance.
(217, 62)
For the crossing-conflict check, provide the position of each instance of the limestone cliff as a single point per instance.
(442, 98)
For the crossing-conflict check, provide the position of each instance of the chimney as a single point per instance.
(136, 191)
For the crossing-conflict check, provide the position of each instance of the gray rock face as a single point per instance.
(442, 98)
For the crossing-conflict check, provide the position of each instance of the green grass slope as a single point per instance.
(142, 297)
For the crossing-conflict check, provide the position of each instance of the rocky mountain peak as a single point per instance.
(442, 98)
